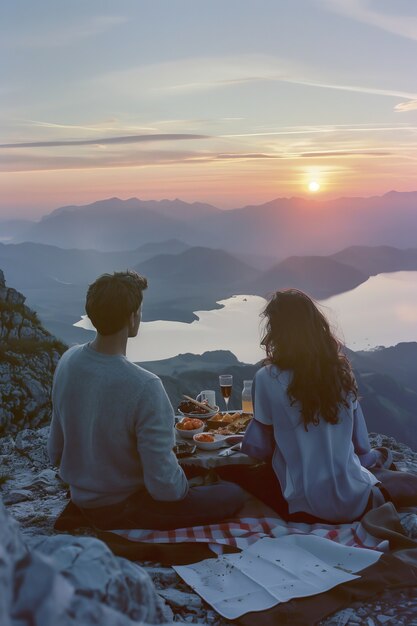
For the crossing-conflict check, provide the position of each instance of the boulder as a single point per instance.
(28, 357)
(71, 581)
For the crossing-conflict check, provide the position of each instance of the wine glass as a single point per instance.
(226, 382)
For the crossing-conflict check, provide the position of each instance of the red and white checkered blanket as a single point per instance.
(241, 533)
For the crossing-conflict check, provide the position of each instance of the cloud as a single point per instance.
(411, 105)
(97, 128)
(338, 153)
(326, 129)
(21, 162)
(18, 162)
(402, 25)
(248, 155)
(103, 141)
(211, 73)
(60, 34)
(357, 88)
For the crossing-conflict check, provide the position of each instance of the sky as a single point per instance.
(230, 102)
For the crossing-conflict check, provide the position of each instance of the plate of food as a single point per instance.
(229, 423)
(192, 408)
(189, 426)
(207, 441)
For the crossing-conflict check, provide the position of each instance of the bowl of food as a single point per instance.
(207, 441)
(200, 410)
(189, 426)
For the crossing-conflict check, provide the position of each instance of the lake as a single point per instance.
(381, 311)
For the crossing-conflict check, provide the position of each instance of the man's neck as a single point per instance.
(110, 344)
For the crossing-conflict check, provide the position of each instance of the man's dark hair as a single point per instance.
(112, 298)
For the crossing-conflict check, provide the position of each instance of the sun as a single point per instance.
(313, 186)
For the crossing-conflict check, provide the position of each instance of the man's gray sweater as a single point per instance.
(112, 430)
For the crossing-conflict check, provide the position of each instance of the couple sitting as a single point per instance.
(112, 429)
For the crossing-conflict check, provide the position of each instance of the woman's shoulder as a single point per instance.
(272, 372)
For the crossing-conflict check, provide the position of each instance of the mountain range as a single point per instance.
(280, 228)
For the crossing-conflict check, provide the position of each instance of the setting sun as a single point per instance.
(313, 186)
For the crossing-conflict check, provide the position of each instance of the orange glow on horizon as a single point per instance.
(227, 185)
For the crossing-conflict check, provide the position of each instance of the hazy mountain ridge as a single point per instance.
(114, 224)
(51, 263)
(198, 266)
(280, 228)
(321, 277)
(174, 208)
(379, 259)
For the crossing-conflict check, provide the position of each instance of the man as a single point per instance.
(112, 429)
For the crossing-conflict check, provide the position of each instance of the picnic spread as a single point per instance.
(224, 431)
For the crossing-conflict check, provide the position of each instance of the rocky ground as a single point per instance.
(34, 496)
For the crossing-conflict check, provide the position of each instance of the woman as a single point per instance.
(306, 396)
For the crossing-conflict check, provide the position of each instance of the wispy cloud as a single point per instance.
(112, 125)
(411, 105)
(103, 141)
(248, 155)
(25, 162)
(360, 10)
(392, 93)
(213, 73)
(340, 153)
(62, 34)
(326, 130)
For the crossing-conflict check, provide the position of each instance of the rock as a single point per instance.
(32, 443)
(89, 565)
(28, 357)
(181, 599)
(18, 495)
(71, 581)
(7, 445)
(409, 523)
(163, 576)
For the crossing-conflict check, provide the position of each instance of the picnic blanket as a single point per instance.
(307, 559)
(256, 521)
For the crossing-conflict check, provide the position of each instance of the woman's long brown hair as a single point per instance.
(298, 338)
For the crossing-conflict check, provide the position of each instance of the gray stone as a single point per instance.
(27, 370)
(89, 565)
(7, 445)
(32, 443)
(18, 495)
(70, 581)
(181, 599)
(409, 523)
